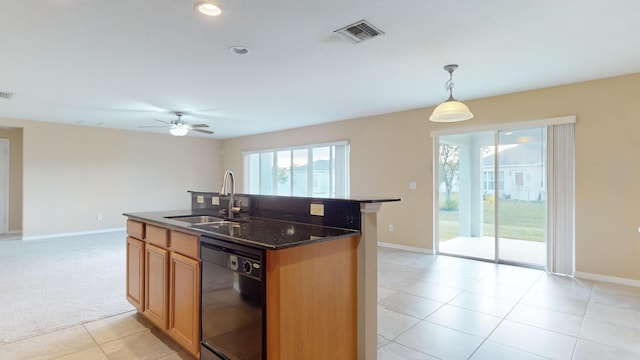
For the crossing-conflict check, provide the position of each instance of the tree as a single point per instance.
(283, 175)
(449, 165)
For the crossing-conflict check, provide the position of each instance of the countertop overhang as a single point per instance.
(256, 232)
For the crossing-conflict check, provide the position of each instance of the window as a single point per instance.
(519, 179)
(314, 170)
(489, 181)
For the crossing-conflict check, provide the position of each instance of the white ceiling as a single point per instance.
(122, 63)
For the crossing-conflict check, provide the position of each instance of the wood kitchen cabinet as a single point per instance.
(156, 278)
(163, 280)
(311, 292)
(135, 272)
(184, 293)
(135, 264)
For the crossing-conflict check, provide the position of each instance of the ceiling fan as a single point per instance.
(180, 127)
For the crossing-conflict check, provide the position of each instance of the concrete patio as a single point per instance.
(511, 250)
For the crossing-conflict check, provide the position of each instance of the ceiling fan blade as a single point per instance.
(162, 121)
(203, 131)
(199, 125)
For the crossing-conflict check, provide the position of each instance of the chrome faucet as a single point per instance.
(224, 191)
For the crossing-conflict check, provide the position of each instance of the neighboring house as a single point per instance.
(521, 175)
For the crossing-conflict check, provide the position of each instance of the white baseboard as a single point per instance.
(79, 233)
(608, 279)
(404, 247)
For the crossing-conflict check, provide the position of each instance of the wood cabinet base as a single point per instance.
(163, 281)
(312, 301)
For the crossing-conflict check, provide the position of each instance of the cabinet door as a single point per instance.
(135, 273)
(156, 278)
(184, 302)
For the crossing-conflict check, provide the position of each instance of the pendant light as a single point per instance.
(451, 110)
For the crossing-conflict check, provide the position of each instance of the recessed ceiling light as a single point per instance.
(238, 50)
(208, 9)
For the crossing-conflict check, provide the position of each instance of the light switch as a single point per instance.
(412, 185)
(317, 209)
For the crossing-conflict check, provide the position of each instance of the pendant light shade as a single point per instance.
(451, 110)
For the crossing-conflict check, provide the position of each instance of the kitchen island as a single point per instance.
(319, 262)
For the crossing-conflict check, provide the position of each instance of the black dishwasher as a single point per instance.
(232, 301)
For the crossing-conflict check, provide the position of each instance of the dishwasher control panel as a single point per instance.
(244, 265)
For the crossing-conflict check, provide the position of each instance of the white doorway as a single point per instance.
(5, 145)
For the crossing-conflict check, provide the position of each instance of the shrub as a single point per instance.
(449, 205)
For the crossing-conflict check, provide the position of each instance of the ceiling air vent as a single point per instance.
(5, 95)
(359, 31)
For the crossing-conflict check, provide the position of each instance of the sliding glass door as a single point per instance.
(461, 221)
(521, 215)
(492, 196)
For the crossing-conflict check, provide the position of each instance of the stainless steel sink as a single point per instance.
(196, 219)
(224, 222)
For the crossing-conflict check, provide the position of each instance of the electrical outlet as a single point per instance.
(215, 200)
(317, 209)
(200, 199)
(99, 217)
(391, 227)
(412, 185)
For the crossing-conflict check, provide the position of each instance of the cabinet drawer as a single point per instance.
(135, 229)
(185, 244)
(157, 236)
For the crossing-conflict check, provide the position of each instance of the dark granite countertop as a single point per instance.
(252, 231)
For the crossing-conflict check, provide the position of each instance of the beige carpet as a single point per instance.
(55, 283)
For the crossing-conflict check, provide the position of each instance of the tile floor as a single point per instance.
(438, 307)
(126, 336)
(430, 307)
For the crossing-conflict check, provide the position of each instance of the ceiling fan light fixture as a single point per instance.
(209, 9)
(178, 130)
(451, 110)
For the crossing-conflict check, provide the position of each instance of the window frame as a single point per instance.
(339, 169)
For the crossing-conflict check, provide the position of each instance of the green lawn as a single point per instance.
(521, 220)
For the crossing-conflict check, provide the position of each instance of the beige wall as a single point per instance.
(15, 177)
(388, 151)
(72, 174)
